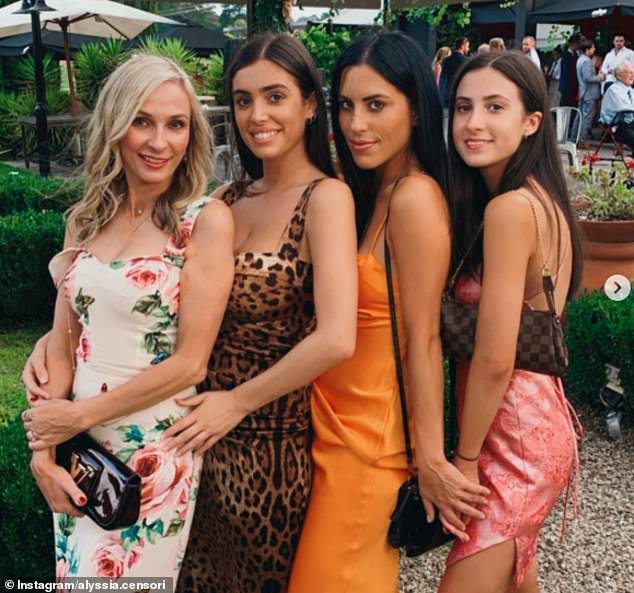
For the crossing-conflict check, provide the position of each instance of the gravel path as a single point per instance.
(598, 555)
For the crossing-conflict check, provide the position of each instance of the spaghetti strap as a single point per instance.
(377, 234)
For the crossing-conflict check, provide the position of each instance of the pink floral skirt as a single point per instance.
(527, 461)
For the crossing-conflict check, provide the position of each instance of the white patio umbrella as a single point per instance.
(100, 18)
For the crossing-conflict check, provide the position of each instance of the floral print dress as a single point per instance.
(128, 311)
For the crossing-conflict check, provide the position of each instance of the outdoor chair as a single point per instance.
(226, 160)
(608, 133)
(567, 130)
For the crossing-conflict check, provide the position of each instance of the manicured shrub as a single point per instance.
(28, 240)
(600, 331)
(22, 190)
(26, 537)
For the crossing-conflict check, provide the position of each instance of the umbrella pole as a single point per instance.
(71, 83)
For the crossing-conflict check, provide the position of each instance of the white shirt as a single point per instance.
(612, 60)
(618, 97)
(555, 69)
(533, 56)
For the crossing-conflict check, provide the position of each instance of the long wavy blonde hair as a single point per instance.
(121, 98)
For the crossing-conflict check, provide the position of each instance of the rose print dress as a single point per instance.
(527, 459)
(128, 311)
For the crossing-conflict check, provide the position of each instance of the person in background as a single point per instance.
(619, 54)
(497, 44)
(568, 83)
(441, 55)
(484, 48)
(553, 76)
(528, 47)
(589, 88)
(451, 66)
(619, 98)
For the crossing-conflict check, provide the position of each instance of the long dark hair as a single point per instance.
(399, 60)
(288, 53)
(537, 158)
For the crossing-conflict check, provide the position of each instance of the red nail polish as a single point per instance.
(82, 500)
(104, 388)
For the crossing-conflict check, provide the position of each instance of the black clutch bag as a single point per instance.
(113, 490)
(409, 528)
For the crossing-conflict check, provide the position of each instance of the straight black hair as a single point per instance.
(290, 54)
(400, 61)
(536, 160)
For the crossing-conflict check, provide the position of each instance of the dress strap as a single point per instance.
(294, 230)
(176, 250)
(61, 262)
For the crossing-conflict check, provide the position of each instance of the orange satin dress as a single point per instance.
(358, 458)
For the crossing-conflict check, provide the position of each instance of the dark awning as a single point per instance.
(486, 14)
(52, 41)
(562, 11)
(203, 41)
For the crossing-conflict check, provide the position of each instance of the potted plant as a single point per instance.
(604, 205)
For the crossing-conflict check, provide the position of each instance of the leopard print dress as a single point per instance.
(256, 480)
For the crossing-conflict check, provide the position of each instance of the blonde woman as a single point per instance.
(496, 44)
(441, 55)
(143, 281)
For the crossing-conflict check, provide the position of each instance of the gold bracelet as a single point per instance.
(457, 454)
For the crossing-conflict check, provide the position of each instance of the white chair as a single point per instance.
(567, 130)
(226, 160)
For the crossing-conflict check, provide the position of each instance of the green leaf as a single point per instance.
(66, 524)
(154, 531)
(117, 264)
(126, 454)
(131, 433)
(175, 526)
(146, 304)
(131, 537)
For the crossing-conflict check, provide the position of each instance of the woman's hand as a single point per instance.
(35, 373)
(215, 414)
(454, 493)
(59, 489)
(52, 422)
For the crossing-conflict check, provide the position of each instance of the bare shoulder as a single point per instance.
(331, 190)
(418, 195)
(215, 217)
(511, 209)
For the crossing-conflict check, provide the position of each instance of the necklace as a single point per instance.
(137, 214)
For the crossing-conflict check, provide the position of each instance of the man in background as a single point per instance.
(568, 84)
(450, 66)
(528, 47)
(589, 88)
(619, 101)
(614, 57)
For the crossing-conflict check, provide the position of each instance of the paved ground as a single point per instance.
(598, 555)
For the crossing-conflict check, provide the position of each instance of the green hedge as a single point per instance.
(22, 190)
(26, 538)
(600, 331)
(28, 240)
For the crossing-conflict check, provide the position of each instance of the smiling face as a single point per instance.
(490, 122)
(156, 142)
(270, 111)
(625, 73)
(375, 118)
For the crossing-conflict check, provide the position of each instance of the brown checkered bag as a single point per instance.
(541, 347)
